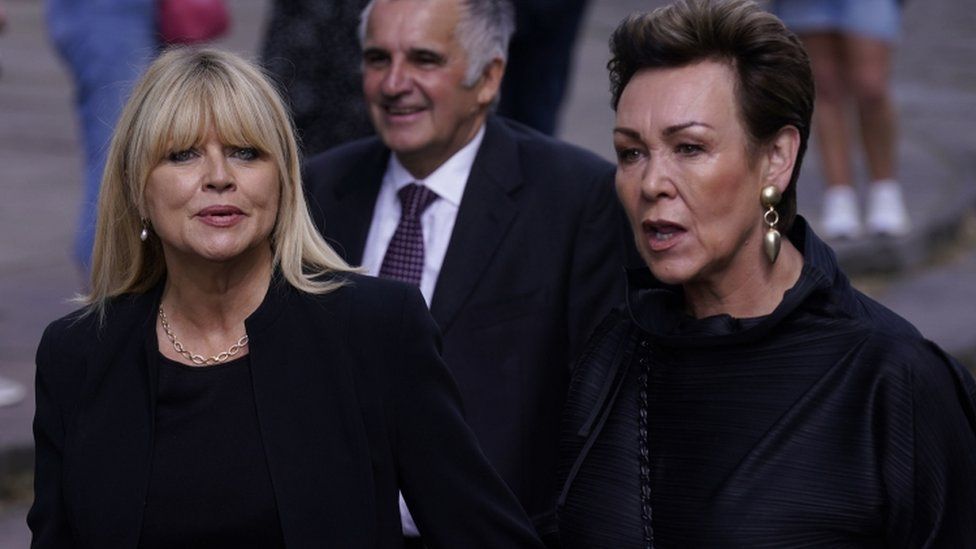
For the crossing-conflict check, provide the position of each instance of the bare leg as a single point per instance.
(829, 118)
(841, 216)
(869, 65)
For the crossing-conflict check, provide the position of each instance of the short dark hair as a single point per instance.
(774, 84)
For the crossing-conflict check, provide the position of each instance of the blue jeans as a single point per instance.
(106, 44)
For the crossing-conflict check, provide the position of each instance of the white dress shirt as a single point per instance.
(448, 182)
(437, 223)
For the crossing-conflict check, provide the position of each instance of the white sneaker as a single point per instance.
(840, 217)
(887, 214)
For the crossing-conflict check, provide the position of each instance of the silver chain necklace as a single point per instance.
(199, 360)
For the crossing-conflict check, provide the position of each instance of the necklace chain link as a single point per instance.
(199, 360)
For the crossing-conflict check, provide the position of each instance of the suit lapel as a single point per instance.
(309, 416)
(487, 210)
(347, 223)
(112, 439)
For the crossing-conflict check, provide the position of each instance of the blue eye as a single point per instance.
(181, 156)
(247, 153)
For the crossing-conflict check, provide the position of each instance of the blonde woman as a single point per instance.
(230, 381)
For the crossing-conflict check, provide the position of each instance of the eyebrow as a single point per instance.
(634, 134)
(671, 130)
(374, 50)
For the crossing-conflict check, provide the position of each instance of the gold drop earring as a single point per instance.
(769, 198)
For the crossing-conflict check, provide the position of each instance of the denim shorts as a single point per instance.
(872, 18)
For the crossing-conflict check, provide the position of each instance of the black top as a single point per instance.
(829, 423)
(353, 402)
(209, 486)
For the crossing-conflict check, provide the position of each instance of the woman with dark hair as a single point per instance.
(747, 395)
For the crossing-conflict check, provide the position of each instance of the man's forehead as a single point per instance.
(412, 24)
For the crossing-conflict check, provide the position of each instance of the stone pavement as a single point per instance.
(927, 276)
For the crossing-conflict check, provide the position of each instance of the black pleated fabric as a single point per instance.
(829, 423)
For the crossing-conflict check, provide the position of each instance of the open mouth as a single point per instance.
(401, 111)
(662, 234)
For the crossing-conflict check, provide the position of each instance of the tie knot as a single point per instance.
(414, 199)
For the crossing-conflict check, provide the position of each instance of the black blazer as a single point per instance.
(533, 263)
(353, 404)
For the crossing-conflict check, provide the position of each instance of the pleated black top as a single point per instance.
(829, 423)
(210, 486)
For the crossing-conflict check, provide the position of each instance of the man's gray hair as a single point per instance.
(484, 30)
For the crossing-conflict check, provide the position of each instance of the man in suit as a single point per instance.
(519, 236)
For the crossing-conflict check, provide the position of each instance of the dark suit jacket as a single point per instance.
(353, 403)
(533, 263)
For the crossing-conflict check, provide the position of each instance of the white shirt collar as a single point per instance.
(449, 179)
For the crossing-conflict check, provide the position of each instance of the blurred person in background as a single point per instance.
(312, 50)
(231, 382)
(106, 45)
(11, 392)
(747, 395)
(850, 45)
(539, 61)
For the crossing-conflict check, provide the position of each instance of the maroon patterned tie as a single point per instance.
(404, 259)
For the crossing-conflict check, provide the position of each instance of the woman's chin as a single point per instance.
(670, 272)
(215, 255)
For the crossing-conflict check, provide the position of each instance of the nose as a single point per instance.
(397, 80)
(656, 181)
(218, 177)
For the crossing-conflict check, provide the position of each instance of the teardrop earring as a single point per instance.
(769, 198)
(144, 234)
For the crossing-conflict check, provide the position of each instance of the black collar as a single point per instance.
(658, 309)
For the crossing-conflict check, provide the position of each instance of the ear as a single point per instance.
(780, 157)
(141, 209)
(491, 81)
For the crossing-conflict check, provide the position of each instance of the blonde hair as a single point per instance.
(181, 94)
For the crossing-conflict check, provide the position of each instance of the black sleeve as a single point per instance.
(933, 490)
(454, 495)
(46, 519)
(602, 249)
